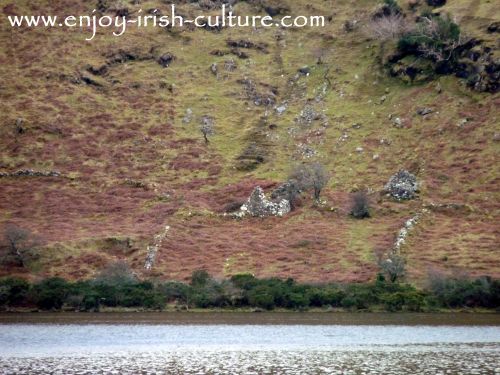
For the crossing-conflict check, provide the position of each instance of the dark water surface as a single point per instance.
(233, 343)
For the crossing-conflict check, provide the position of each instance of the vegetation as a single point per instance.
(360, 205)
(18, 246)
(394, 267)
(111, 119)
(437, 38)
(246, 291)
(311, 176)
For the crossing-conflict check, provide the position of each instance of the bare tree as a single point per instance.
(389, 27)
(19, 244)
(207, 127)
(311, 176)
(394, 266)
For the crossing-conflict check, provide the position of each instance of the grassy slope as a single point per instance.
(132, 127)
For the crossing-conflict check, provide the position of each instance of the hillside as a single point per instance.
(123, 131)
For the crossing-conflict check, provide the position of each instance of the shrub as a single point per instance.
(465, 292)
(200, 278)
(176, 291)
(436, 3)
(393, 5)
(326, 296)
(50, 294)
(261, 297)
(437, 38)
(360, 205)
(13, 291)
(116, 274)
(244, 281)
(359, 296)
(404, 300)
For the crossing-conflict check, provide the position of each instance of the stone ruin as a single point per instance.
(258, 205)
(402, 186)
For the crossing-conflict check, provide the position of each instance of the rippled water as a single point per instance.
(248, 349)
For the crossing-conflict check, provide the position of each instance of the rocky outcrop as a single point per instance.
(402, 186)
(258, 205)
(30, 173)
(166, 59)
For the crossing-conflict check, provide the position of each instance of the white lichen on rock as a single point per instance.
(402, 186)
(258, 205)
(405, 231)
(152, 250)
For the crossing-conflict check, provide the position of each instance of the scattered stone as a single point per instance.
(402, 186)
(357, 126)
(350, 25)
(166, 59)
(308, 115)
(463, 122)
(274, 11)
(30, 173)
(493, 27)
(243, 43)
(439, 89)
(90, 81)
(218, 52)
(258, 205)
(376, 157)
(259, 98)
(281, 109)
(344, 137)
(424, 111)
(496, 137)
(305, 71)
(398, 122)
(239, 54)
(136, 184)
(188, 116)
(20, 129)
(214, 69)
(360, 150)
(383, 99)
(385, 142)
(230, 65)
(306, 152)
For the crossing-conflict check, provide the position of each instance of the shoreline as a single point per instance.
(225, 317)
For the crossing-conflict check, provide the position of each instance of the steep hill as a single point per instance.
(123, 130)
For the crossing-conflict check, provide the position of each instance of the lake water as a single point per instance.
(249, 344)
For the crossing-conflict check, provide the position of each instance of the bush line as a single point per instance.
(246, 291)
